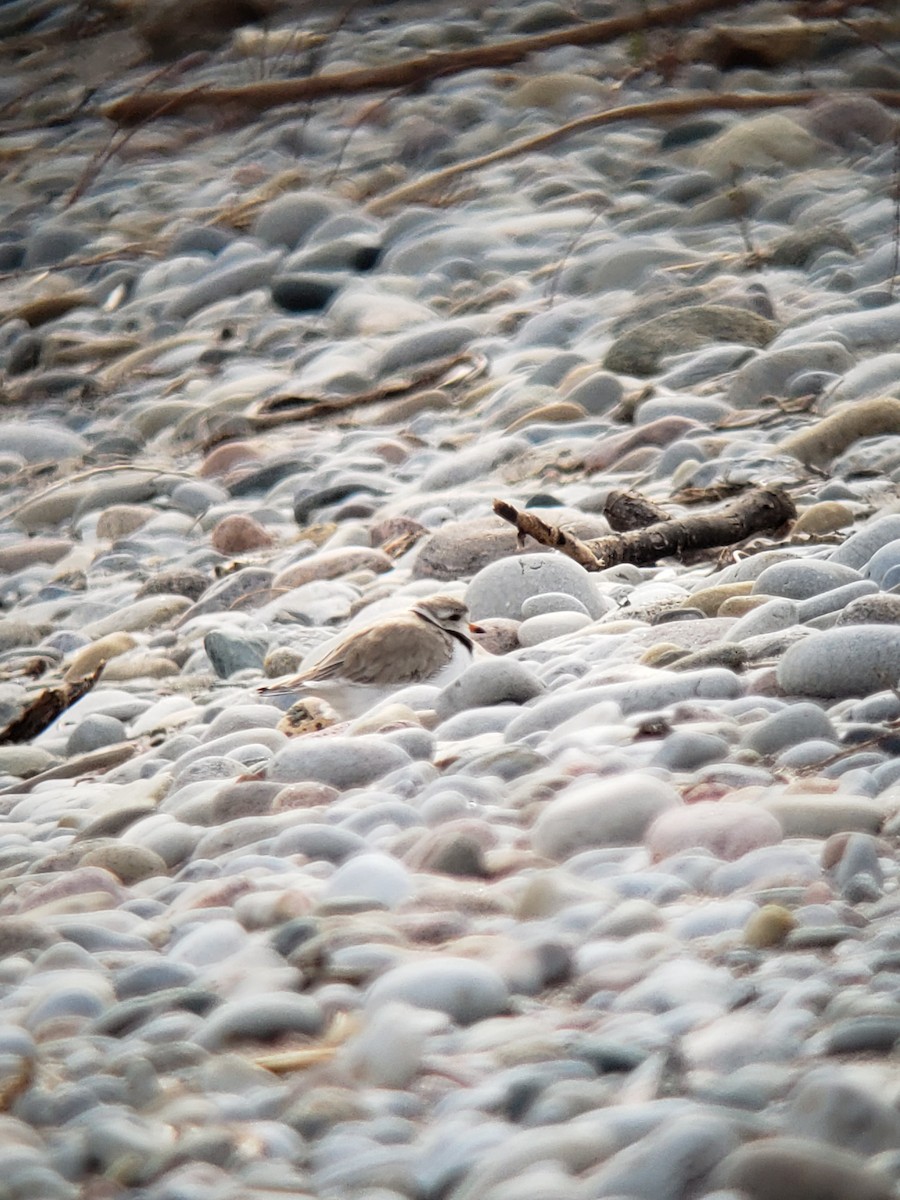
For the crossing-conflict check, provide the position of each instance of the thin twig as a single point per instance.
(418, 70)
(675, 106)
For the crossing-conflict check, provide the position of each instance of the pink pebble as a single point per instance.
(727, 830)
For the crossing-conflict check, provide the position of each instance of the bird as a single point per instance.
(429, 643)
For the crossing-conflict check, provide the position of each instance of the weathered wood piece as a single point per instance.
(763, 510)
(45, 708)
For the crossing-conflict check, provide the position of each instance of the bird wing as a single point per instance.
(366, 655)
(389, 653)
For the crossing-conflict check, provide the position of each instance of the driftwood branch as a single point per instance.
(286, 408)
(763, 510)
(652, 110)
(45, 708)
(413, 72)
(629, 510)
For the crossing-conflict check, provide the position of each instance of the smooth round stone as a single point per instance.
(727, 829)
(770, 617)
(822, 815)
(318, 842)
(52, 242)
(598, 393)
(486, 683)
(685, 750)
(665, 1164)
(769, 866)
(140, 615)
(232, 652)
(883, 563)
(833, 601)
(234, 278)
(826, 516)
(783, 1168)
(853, 660)
(239, 534)
(93, 732)
(342, 762)
(500, 589)
(860, 546)
(29, 551)
(601, 812)
(878, 609)
(465, 989)
(196, 498)
(260, 1018)
(807, 754)
(801, 578)
(131, 864)
(475, 721)
(768, 374)
(546, 626)
(239, 717)
(861, 1035)
(827, 1106)
(769, 926)
(305, 291)
(290, 219)
(460, 548)
(24, 761)
(209, 944)
(41, 441)
(375, 877)
(794, 724)
(638, 695)
(552, 602)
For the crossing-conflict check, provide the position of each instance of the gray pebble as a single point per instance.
(93, 732)
(795, 723)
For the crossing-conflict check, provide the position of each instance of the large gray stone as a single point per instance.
(342, 762)
(852, 660)
(499, 589)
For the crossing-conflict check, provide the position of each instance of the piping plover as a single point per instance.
(428, 643)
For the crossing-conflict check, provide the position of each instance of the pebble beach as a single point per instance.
(615, 913)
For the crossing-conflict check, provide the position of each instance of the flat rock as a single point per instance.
(342, 762)
(601, 812)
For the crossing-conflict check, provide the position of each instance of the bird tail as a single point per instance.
(286, 687)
